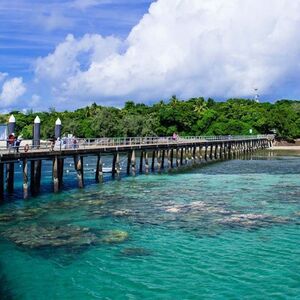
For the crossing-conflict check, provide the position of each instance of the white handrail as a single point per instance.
(84, 143)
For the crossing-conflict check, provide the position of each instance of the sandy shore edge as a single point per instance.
(293, 148)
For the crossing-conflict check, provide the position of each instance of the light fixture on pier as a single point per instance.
(12, 119)
(37, 120)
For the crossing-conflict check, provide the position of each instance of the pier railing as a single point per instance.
(83, 143)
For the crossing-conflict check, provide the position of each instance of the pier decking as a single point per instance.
(153, 153)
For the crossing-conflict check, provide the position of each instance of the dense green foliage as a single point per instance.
(195, 116)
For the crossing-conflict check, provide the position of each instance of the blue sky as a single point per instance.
(32, 28)
(68, 54)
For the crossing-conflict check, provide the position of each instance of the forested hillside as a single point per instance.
(195, 116)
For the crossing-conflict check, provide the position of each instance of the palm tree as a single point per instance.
(200, 106)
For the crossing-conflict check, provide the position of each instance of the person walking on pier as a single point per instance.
(174, 136)
(74, 142)
(58, 143)
(17, 143)
(10, 142)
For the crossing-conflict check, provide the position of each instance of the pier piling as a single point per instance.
(78, 163)
(187, 152)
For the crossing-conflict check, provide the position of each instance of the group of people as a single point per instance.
(13, 142)
(64, 143)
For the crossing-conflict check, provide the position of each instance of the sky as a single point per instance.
(68, 54)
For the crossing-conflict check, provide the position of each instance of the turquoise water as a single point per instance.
(228, 230)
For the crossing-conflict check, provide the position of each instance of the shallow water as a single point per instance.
(228, 230)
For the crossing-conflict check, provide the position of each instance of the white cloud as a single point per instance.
(53, 20)
(75, 56)
(2, 76)
(190, 48)
(12, 89)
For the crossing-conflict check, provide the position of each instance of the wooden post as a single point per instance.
(194, 155)
(118, 166)
(1, 182)
(153, 161)
(169, 159)
(186, 155)
(211, 152)
(99, 169)
(60, 171)
(158, 161)
(39, 174)
(146, 163)
(113, 167)
(181, 156)
(10, 172)
(163, 153)
(199, 154)
(172, 158)
(141, 161)
(235, 149)
(133, 167)
(205, 153)
(35, 175)
(55, 175)
(222, 152)
(129, 154)
(216, 151)
(78, 163)
(32, 187)
(177, 157)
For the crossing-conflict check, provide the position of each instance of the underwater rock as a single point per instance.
(6, 218)
(252, 220)
(94, 202)
(29, 213)
(63, 204)
(194, 208)
(34, 237)
(135, 252)
(75, 203)
(21, 214)
(122, 212)
(175, 209)
(114, 236)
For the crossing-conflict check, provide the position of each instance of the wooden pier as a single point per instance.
(144, 154)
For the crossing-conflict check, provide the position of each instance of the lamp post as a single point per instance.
(11, 125)
(58, 128)
(36, 132)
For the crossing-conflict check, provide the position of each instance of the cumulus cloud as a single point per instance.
(219, 48)
(75, 56)
(12, 89)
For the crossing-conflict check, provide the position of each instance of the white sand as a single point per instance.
(293, 148)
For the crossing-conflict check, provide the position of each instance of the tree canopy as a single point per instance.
(195, 116)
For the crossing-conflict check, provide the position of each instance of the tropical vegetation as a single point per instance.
(196, 116)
